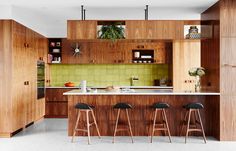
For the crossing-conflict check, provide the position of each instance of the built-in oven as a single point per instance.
(40, 79)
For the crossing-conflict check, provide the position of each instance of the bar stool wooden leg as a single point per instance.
(203, 133)
(167, 125)
(88, 125)
(183, 124)
(163, 120)
(130, 129)
(154, 123)
(189, 118)
(117, 119)
(76, 125)
(95, 122)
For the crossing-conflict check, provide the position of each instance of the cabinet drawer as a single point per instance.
(56, 110)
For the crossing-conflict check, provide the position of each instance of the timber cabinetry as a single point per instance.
(119, 52)
(18, 89)
(134, 29)
(186, 55)
(56, 103)
(81, 29)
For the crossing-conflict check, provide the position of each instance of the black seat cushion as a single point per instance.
(83, 106)
(160, 105)
(122, 106)
(194, 106)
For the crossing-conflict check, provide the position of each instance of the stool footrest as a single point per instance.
(122, 129)
(194, 130)
(83, 130)
(160, 129)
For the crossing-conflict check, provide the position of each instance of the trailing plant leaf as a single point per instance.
(112, 32)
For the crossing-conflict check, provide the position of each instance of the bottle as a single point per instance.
(83, 86)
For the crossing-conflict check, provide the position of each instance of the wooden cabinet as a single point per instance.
(113, 52)
(92, 52)
(154, 29)
(56, 103)
(21, 61)
(135, 29)
(186, 55)
(81, 29)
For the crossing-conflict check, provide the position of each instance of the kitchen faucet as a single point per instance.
(133, 79)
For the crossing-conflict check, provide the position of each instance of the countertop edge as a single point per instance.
(132, 87)
(167, 93)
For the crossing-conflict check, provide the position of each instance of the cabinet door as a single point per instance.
(41, 45)
(186, 55)
(30, 71)
(18, 76)
(135, 29)
(81, 29)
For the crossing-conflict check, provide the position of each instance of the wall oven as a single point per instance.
(40, 79)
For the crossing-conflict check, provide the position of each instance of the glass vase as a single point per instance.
(197, 84)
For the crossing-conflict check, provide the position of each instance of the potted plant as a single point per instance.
(197, 72)
(112, 31)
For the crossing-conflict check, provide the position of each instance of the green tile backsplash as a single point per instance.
(104, 75)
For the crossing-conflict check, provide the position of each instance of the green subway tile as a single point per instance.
(108, 74)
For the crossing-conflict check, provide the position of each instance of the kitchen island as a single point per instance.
(141, 114)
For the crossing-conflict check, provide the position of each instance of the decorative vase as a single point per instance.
(197, 84)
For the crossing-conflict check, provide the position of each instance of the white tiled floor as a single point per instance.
(51, 135)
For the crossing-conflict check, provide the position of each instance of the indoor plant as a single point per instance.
(197, 72)
(112, 31)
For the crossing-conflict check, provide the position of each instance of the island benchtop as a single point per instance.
(142, 92)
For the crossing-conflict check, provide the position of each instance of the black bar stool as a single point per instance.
(85, 108)
(123, 107)
(163, 125)
(193, 108)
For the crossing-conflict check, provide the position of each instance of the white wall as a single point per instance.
(5, 12)
(52, 22)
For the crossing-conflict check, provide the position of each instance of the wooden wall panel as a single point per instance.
(5, 79)
(218, 55)
(227, 18)
(227, 69)
(210, 48)
(186, 55)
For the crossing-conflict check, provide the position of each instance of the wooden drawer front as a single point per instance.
(58, 110)
(56, 95)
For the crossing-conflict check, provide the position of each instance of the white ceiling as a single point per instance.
(48, 17)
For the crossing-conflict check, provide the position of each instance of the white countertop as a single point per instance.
(103, 87)
(140, 92)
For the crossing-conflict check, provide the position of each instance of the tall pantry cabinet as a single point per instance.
(18, 76)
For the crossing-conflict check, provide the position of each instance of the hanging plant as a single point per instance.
(112, 32)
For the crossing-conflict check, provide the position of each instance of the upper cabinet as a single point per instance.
(154, 29)
(81, 29)
(134, 29)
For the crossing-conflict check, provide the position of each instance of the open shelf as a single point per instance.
(143, 56)
(54, 50)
